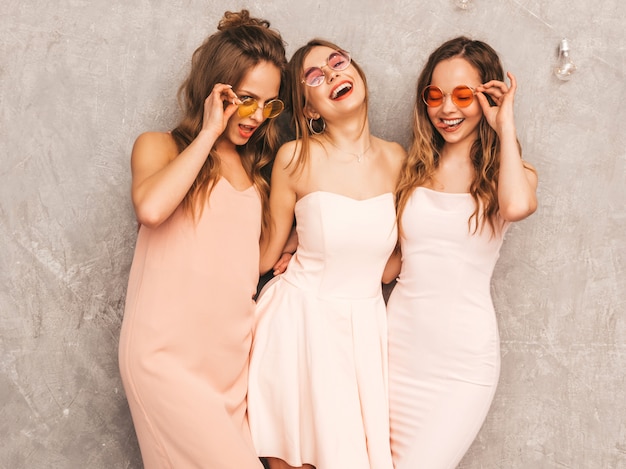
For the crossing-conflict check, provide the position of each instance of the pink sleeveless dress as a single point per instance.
(444, 348)
(187, 331)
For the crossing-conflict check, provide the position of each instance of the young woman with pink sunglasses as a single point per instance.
(318, 372)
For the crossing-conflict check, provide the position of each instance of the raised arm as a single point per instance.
(282, 205)
(161, 176)
(517, 180)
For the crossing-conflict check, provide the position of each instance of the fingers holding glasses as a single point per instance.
(228, 97)
(498, 90)
(219, 106)
(223, 102)
(513, 81)
(490, 95)
(499, 115)
(225, 92)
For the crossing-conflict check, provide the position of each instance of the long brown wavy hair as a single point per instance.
(425, 150)
(297, 97)
(240, 43)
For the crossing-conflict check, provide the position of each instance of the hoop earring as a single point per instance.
(312, 128)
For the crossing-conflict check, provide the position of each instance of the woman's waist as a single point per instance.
(337, 285)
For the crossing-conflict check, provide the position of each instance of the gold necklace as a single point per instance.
(359, 156)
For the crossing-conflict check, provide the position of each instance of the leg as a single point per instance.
(276, 463)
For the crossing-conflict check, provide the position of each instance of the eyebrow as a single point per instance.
(246, 93)
(252, 95)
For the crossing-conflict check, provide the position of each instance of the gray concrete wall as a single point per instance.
(80, 80)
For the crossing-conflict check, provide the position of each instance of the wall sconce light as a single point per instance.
(564, 67)
(463, 4)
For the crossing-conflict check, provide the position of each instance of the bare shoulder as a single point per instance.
(152, 151)
(287, 154)
(393, 152)
(155, 143)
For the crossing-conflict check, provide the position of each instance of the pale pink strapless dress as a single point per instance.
(444, 349)
(318, 371)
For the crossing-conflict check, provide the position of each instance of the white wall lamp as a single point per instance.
(463, 4)
(564, 66)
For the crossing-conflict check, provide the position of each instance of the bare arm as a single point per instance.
(396, 158)
(288, 251)
(517, 180)
(282, 205)
(161, 176)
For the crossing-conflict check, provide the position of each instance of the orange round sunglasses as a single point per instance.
(462, 96)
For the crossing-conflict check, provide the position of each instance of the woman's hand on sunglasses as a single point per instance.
(219, 106)
(500, 115)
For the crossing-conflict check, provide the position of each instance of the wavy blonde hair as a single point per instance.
(297, 98)
(240, 43)
(425, 150)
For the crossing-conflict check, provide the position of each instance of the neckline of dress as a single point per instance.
(442, 192)
(230, 184)
(343, 196)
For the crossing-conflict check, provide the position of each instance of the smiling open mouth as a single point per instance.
(341, 90)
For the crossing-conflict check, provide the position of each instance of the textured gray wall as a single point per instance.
(79, 80)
